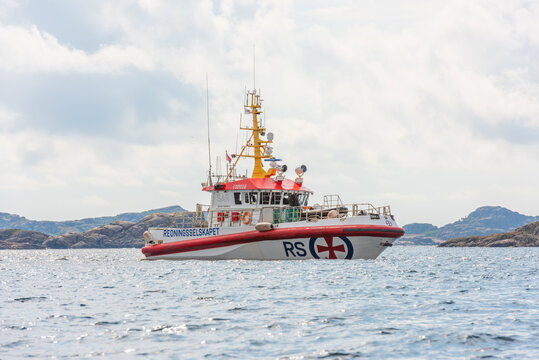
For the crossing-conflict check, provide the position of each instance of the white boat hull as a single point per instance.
(291, 249)
(325, 239)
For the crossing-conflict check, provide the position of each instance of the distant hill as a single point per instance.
(11, 221)
(420, 229)
(483, 221)
(119, 234)
(525, 236)
(419, 234)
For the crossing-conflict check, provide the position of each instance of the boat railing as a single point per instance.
(237, 217)
(341, 211)
(332, 200)
(189, 219)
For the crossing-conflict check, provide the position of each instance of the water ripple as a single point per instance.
(412, 302)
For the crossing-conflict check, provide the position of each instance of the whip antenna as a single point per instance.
(208, 117)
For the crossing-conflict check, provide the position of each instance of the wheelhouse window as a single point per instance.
(265, 199)
(286, 198)
(237, 198)
(293, 200)
(253, 198)
(303, 198)
(276, 198)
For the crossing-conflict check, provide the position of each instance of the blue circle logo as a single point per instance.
(329, 247)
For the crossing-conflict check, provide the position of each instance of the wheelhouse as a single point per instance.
(257, 193)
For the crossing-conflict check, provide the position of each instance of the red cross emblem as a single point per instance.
(330, 248)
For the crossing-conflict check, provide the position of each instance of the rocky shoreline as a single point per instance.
(56, 228)
(118, 234)
(128, 234)
(525, 236)
(483, 221)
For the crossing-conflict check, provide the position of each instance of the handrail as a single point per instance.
(282, 214)
(332, 200)
(341, 211)
(236, 217)
(197, 218)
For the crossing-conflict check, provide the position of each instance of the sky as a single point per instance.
(431, 107)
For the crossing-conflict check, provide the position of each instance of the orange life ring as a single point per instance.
(246, 218)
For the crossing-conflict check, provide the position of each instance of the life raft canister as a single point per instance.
(246, 218)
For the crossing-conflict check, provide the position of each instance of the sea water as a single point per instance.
(412, 302)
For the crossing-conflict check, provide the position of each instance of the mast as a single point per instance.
(258, 171)
(253, 106)
(208, 117)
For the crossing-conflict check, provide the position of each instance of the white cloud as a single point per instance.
(82, 176)
(7, 118)
(432, 108)
(7, 5)
(29, 50)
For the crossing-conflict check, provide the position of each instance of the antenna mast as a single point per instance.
(208, 116)
(255, 147)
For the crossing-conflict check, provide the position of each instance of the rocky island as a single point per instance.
(525, 236)
(13, 221)
(118, 234)
(485, 226)
(486, 220)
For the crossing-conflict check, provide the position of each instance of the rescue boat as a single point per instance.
(268, 217)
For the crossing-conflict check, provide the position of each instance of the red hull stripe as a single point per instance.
(275, 234)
